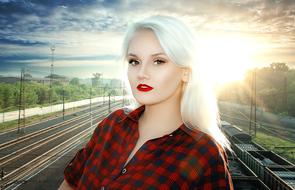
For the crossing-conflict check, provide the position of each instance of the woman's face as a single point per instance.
(153, 77)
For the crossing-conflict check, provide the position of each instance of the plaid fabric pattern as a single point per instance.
(181, 160)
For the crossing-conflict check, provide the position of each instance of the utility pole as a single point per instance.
(253, 106)
(255, 103)
(285, 94)
(63, 102)
(109, 102)
(103, 95)
(52, 48)
(103, 89)
(90, 105)
(22, 104)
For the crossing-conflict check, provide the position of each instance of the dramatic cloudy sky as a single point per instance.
(233, 34)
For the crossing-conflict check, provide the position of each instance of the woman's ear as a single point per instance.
(185, 74)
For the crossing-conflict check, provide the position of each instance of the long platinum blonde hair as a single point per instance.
(199, 108)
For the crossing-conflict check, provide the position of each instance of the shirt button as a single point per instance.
(124, 171)
(102, 188)
(171, 135)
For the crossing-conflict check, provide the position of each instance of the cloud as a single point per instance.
(33, 58)
(91, 29)
(21, 42)
(258, 16)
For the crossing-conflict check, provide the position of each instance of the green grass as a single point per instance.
(8, 125)
(272, 143)
(29, 120)
(35, 119)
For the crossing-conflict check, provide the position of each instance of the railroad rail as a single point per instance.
(26, 155)
(286, 133)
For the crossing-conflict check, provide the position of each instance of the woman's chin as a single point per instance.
(146, 101)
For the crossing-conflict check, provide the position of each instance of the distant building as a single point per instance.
(56, 77)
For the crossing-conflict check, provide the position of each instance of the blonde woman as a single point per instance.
(171, 140)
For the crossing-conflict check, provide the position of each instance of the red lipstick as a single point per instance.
(144, 87)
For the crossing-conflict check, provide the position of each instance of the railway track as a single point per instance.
(24, 156)
(52, 121)
(243, 121)
(44, 131)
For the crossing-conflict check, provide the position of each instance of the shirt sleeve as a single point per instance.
(74, 169)
(216, 174)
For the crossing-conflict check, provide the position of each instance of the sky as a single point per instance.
(232, 35)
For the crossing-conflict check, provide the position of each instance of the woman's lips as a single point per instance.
(144, 88)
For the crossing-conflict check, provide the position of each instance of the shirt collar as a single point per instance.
(133, 114)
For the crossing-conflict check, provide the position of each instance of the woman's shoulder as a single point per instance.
(119, 114)
(205, 145)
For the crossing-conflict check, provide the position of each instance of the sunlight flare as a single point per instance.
(226, 59)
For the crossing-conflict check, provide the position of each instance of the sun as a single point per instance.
(226, 59)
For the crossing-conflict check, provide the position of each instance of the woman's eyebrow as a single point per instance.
(131, 54)
(156, 54)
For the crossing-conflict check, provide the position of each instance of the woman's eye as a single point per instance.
(133, 62)
(159, 62)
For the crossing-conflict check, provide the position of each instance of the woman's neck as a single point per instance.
(160, 119)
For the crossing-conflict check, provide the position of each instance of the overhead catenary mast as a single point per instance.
(22, 104)
(52, 48)
(253, 106)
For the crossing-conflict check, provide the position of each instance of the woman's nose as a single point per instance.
(143, 72)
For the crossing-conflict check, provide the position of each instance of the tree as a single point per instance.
(279, 67)
(27, 76)
(8, 95)
(96, 80)
(75, 81)
(31, 97)
(43, 95)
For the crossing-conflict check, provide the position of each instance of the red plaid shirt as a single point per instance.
(181, 160)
